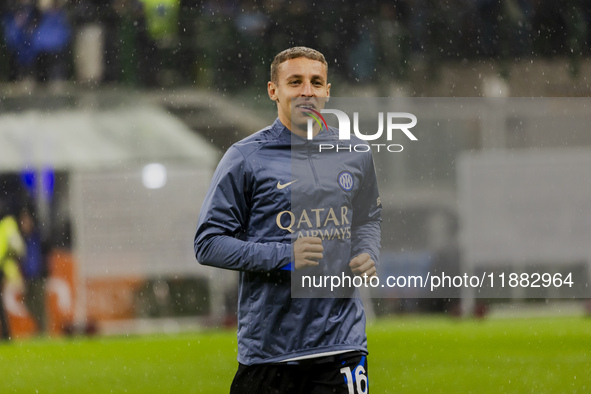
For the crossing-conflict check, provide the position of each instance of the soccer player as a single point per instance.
(278, 207)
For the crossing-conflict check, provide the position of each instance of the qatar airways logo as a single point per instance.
(319, 222)
(395, 122)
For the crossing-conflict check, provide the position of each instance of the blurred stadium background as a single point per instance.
(113, 115)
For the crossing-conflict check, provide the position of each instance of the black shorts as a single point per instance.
(342, 374)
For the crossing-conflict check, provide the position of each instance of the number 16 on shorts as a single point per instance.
(356, 379)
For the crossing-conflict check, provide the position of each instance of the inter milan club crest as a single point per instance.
(346, 181)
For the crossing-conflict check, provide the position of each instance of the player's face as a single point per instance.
(305, 81)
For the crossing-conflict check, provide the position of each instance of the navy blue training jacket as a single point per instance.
(268, 190)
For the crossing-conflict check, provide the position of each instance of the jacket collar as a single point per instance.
(284, 134)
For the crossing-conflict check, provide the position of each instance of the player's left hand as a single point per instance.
(363, 264)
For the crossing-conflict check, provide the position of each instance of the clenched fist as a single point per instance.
(307, 252)
(363, 265)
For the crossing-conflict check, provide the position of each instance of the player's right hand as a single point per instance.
(307, 252)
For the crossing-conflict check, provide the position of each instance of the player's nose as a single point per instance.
(307, 90)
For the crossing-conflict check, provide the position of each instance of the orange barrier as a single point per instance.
(21, 323)
(60, 291)
(106, 299)
(112, 298)
(59, 299)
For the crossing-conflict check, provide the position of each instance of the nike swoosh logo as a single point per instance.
(280, 186)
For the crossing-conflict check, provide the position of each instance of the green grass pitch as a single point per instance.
(412, 354)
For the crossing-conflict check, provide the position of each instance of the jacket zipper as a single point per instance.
(316, 180)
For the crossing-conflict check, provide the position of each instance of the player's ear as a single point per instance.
(327, 90)
(272, 90)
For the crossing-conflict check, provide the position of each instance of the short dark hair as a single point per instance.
(294, 53)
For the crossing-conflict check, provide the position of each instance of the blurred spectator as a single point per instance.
(136, 51)
(34, 268)
(19, 24)
(217, 62)
(576, 32)
(37, 36)
(161, 18)
(337, 31)
(113, 43)
(393, 47)
(188, 27)
(52, 39)
(251, 24)
(4, 61)
(296, 23)
(363, 51)
(95, 41)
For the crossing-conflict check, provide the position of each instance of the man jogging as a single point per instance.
(278, 207)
